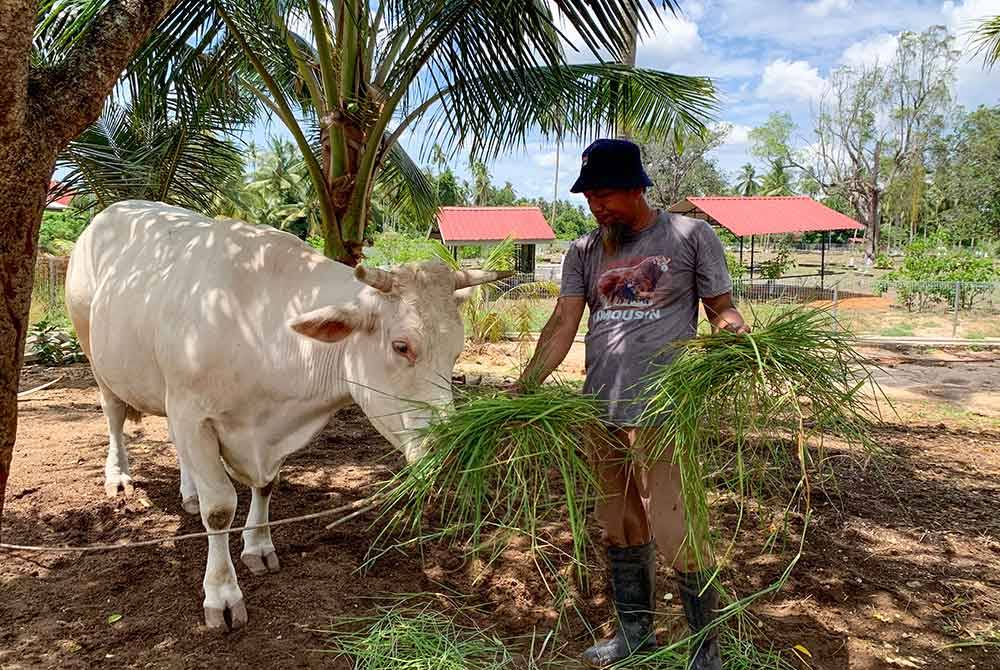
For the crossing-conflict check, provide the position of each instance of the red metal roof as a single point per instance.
(60, 202)
(758, 215)
(460, 225)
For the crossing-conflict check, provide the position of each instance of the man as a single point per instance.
(642, 273)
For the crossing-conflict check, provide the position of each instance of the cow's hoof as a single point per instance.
(190, 505)
(115, 484)
(261, 565)
(233, 617)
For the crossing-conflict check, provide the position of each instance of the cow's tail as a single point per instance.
(132, 414)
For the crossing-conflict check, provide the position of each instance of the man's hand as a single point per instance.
(723, 315)
(737, 328)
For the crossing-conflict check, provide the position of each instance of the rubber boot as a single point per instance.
(700, 611)
(633, 579)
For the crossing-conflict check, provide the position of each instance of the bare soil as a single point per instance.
(898, 564)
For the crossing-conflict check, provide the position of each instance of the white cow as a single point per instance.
(247, 340)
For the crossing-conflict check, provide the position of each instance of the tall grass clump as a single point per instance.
(739, 409)
(415, 637)
(502, 464)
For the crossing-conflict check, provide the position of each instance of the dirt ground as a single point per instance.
(898, 564)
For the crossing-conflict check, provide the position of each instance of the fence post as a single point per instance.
(52, 285)
(833, 310)
(954, 325)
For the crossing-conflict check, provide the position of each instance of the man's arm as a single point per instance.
(554, 342)
(722, 314)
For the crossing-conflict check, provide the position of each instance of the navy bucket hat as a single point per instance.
(613, 164)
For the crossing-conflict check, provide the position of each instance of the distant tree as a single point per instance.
(772, 140)
(677, 174)
(747, 183)
(874, 121)
(778, 180)
(571, 222)
(966, 202)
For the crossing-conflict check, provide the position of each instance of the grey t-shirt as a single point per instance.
(641, 300)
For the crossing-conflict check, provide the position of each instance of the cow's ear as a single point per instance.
(329, 324)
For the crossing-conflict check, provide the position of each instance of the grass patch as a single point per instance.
(414, 637)
(897, 330)
(739, 652)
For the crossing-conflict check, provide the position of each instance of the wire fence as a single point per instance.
(49, 290)
(874, 306)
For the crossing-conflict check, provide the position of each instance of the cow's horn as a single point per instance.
(374, 277)
(467, 278)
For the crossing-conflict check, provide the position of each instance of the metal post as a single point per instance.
(751, 257)
(833, 310)
(822, 262)
(52, 285)
(954, 325)
(741, 250)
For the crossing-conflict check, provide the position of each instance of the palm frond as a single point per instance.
(135, 152)
(408, 185)
(497, 113)
(986, 41)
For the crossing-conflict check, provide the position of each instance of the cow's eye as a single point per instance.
(400, 347)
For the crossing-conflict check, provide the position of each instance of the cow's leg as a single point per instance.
(258, 550)
(199, 446)
(189, 492)
(116, 470)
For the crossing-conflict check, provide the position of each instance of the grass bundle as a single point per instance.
(503, 462)
(731, 405)
(415, 637)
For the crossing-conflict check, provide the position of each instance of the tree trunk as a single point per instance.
(873, 221)
(24, 181)
(41, 110)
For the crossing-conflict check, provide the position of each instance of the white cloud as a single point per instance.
(784, 79)
(880, 49)
(738, 134)
(975, 86)
(544, 159)
(678, 38)
(693, 9)
(823, 8)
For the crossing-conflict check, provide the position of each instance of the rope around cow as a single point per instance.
(359, 507)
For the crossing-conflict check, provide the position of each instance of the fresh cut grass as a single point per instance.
(502, 465)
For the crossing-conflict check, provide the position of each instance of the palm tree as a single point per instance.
(348, 78)
(778, 181)
(143, 150)
(748, 184)
(987, 40)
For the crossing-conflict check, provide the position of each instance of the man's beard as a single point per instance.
(612, 237)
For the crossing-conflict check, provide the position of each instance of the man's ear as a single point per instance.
(328, 324)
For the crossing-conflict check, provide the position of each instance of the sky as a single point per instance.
(764, 56)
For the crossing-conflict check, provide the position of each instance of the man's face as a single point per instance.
(614, 207)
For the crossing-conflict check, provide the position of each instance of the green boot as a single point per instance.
(700, 611)
(633, 579)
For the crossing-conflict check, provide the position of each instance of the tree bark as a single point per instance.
(41, 110)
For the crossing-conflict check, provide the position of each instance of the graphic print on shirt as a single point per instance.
(632, 288)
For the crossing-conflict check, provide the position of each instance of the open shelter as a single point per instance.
(487, 226)
(762, 215)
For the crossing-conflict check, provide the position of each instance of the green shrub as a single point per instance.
(392, 248)
(779, 265)
(934, 271)
(883, 262)
(55, 345)
(60, 230)
(736, 268)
